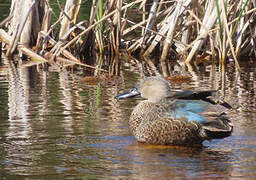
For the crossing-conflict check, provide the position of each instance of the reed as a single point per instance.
(165, 30)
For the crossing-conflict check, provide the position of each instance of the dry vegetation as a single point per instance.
(163, 30)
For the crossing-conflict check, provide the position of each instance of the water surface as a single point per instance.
(54, 127)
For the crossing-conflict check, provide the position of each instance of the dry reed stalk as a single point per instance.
(71, 63)
(209, 34)
(143, 5)
(205, 28)
(23, 28)
(93, 11)
(150, 63)
(115, 30)
(135, 26)
(99, 62)
(67, 54)
(231, 38)
(216, 29)
(135, 45)
(67, 14)
(241, 27)
(239, 30)
(168, 41)
(150, 21)
(208, 21)
(77, 8)
(56, 49)
(139, 24)
(123, 24)
(161, 33)
(4, 37)
(212, 51)
(45, 27)
(116, 37)
(229, 35)
(186, 31)
(160, 6)
(47, 17)
(97, 22)
(27, 22)
(252, 43)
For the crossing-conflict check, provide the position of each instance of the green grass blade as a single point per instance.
(239, 17)
(219, 19)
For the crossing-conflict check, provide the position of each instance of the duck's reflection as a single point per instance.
(167, 162)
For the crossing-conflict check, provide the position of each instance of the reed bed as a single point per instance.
(186, 30)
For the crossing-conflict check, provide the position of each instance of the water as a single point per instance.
(52, 126)
(55, 127)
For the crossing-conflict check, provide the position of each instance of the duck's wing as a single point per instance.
(209, 96)
(217, 129)
(197, 110)
(212, 117)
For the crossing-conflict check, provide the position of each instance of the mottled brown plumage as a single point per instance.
(162, 119)
(149, 123)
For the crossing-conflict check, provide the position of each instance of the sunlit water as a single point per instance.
(54, 127)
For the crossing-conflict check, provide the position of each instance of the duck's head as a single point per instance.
(153, 89)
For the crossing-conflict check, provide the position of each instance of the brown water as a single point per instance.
(54, 127)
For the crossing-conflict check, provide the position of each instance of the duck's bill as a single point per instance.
(130, 94)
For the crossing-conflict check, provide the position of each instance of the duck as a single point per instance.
(183, 117)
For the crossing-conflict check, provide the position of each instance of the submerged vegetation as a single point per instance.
(157, 31)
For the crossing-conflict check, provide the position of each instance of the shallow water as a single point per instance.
(54, 127)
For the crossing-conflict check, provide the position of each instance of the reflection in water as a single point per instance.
(19, 129)
(18, 94)
(66, 100)
(183, 162)
(54, 127)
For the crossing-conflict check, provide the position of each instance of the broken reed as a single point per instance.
(169, 30)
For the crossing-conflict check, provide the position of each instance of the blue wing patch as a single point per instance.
(189, 110)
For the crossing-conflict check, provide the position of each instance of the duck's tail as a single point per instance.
(217, 129)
